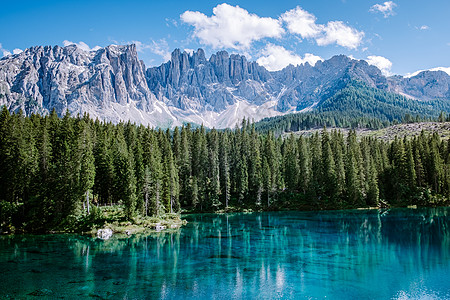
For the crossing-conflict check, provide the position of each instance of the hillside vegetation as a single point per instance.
(358, 106)
(408, 130)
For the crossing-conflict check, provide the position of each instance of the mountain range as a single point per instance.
(112, 84)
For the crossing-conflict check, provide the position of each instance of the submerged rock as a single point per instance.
(41, 293)
(104, 233)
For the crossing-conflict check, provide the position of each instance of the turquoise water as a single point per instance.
(396, 254)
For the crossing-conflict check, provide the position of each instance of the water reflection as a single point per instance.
(345, 254)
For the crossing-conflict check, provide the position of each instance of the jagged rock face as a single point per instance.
(426, 85)
(42, 78)
(192, 82)
(112, 84)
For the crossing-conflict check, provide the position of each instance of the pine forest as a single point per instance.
(56, 172)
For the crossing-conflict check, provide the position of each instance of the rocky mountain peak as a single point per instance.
(113, 84)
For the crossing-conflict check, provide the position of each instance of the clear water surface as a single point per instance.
(395, 254)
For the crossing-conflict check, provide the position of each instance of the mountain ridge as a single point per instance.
(112, 84)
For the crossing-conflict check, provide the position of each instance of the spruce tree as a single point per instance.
(304, 165)
(290, 159)
(87, 168)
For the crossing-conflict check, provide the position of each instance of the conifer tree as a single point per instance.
(372, 191)
(352, 171)
(304, 165)
(184, 165)
(213, 180)
(224, 162)
(254, 166)
(87, 168)
(338, 148)
(152, 159)
(125, 180)
(170, 180)
(291, 168)
(328, 168)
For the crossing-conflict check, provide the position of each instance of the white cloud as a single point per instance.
(160, 48)
(4, 51)
(140, 47)
(424, 27)
(301, 22)
(381, 63)
(17, 51)
(171, 22)
(231, 27)
(341, 34)
(277, 57)
(304, 24)
(81, 45)
(443, 69)
(387, 8)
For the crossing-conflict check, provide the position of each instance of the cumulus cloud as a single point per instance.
(304, 24)
(443, 69)
(277, 57)
(140, 46)
(160, 48)
(82, 45)
(3, 51)
(424, 27)
(387, 8)
(301, 22)
(231, 27)
(381, 63)
(6, 52)
(341, 34)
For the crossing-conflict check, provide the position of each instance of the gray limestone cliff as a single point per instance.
(112, 84)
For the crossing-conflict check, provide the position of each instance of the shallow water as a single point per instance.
(396, 254)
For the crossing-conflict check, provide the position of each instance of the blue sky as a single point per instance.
(399, 36)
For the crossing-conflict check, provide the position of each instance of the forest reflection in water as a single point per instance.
(400, 253)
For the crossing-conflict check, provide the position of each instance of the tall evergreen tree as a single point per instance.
(224, 162)
(87, 168)
(125, 180)
(290, 159)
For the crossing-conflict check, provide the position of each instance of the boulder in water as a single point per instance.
(104, 233)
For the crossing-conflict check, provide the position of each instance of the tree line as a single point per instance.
(53, 170)
(357, 105)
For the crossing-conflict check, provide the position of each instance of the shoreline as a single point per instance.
(167, 224)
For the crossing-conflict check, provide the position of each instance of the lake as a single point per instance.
(355, 254)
